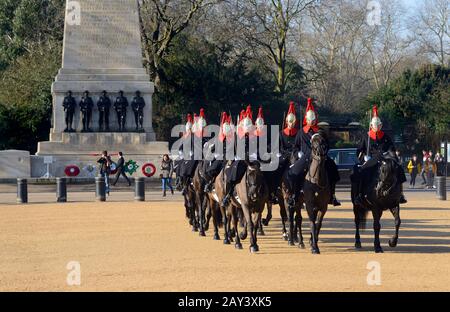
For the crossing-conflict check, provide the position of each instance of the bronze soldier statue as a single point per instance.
(120, 106)
(86, 106)
(138, 105)
(103, 104)
(69, 105)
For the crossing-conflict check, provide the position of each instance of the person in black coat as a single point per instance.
(121, 170)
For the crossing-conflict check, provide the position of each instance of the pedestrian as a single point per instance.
(105, 168)
(440, 164)
(121, 170)
(430, 170)
(166, 175)
(422, 172)
(414, 168)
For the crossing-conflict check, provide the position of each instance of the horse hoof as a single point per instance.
(226, 242)
(378, 250)
(302, 245)
(285, 236)
(238, 246)
(201, 233)
(254, 249)
(291, 243)
(194, 229)
(315, 251)
(261, 233)
(358, 245)
(265, 222)
(216, 237)
(392, 243)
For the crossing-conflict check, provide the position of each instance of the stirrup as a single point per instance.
(403, 199)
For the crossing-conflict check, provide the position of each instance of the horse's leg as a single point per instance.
(396, 212)
(312, 220)
(214, 212)
(357, 223)
(377, 227)
(250, 227)
(269, 214)
(208, 210)
(260, 228)
(226, 233)
(201, 215)
(283, 219)
(320, 216)
(299, 223)
(256, 216)
(290, 213)
(243, 235)
(235, 220)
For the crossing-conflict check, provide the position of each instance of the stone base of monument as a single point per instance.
(83, 150)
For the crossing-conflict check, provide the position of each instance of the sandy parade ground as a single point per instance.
(121, 245)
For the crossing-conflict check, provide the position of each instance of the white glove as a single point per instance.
(278, 155)
(300, 154)
(367, 158)
(191, 153)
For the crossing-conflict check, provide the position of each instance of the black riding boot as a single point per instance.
(333, 199)
(229, 188)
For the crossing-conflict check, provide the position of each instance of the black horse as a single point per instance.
(381, 192)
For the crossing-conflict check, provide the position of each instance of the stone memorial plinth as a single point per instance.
(102, 51)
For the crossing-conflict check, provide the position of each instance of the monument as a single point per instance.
(101, 52)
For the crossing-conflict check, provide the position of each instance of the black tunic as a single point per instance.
(377, 147)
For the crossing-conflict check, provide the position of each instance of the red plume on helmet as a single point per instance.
(291, 117)
(189, 124)
(375, 120)
(310, 115)
(259, 122)
(225, 127)
(200, 122)
(246, 122)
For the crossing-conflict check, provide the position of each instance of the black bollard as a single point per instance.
(22, 191)
(100, 189)
(61, 190)
(441, 188)
(139, 194)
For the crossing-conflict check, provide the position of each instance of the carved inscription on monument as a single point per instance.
(107, 36)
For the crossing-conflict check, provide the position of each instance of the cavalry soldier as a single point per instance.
(288, 135)
(235, 171)
(103, 105)
(86, 106)
(226, 138)
(69, 105)
(193, 141)
(374, 146)
(296, 173)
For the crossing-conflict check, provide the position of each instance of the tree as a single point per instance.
(266, 27)
(433, 30)
(417, 105)
(161, 21)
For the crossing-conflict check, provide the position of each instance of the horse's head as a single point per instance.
(319, 145)
(255, 181)
(387, 177)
